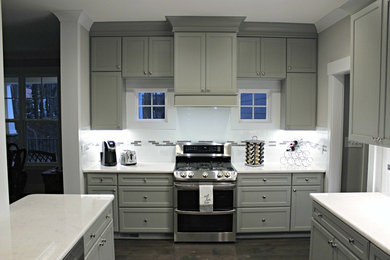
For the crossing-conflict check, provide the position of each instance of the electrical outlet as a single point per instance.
(388, 167)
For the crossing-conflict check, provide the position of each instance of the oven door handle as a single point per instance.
(216, 186)
(226, 212)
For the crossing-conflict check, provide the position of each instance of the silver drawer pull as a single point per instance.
(108, 216)
(334, 245)
(330, 242)
(264, 179)
(92, 235)
(264, 197)
(351, 240)
(145, 220)
(101, 179)
(294, 190)
(263, 220)
(145, 73)
(318, 214)
(145, 197)
(145, 180)
(101, 244)
(104, 240)
(306, 179)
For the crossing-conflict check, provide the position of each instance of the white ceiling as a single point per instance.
(292, 11)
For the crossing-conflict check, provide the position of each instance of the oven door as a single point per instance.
(191, 225)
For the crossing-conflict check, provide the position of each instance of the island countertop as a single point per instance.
(48, 226)
(367, 213)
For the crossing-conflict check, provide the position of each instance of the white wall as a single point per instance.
(333, 44)
(4, 200)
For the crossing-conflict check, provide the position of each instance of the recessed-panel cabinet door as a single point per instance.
(377, 254)
(273, 58)
(93, 254)
(106, 97)
(248, 57)
(301, 207)
(386, 40)
(106, 54)
(301, 55)
(221, 62)
(365, 105)
(341, 252)
(189, 63)
(300, 101)
(106, 250)
(161, 56)
(135, 57)
(320, 243)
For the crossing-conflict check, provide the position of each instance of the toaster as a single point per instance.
(128, 157)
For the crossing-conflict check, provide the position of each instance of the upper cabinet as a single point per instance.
(261, 57)
(301, 55)
(205, 63)
(147, 57)
(369, 105)
(106, 54)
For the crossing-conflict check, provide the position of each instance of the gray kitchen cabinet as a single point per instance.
(102, 179)
(106, 100)
(301, 55)
(106, 54)
(273, 179)
(150, 220)
(103, 249)
(367, 86)
(266, 219)
(108, 190)
(377, 254)
(147, 57)
(301, 207)
(205, 63)
(139, 179)
(298, 101)
(264, 196)
(151, 196)
(261, 57)
(320, 243)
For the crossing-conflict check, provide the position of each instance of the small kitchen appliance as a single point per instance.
(108, 154)
(128, 157)
(204, 193)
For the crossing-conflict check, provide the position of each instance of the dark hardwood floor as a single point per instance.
(267, 249)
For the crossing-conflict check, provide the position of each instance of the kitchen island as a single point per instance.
(50, 226)
(352, 225)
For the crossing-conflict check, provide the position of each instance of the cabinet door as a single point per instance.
(300, 101)
(106, 54)
(146, 220)
(221, 62)
(320, 243)
(340, 252)
(264, 219)
(273, 58)
(301, 207)
(106, 248)
(108, 190)
(365, 105)
(377, 254)
(93, 254)
(386, 73)
(189, 63)
(106, 100)
(135, 57)
(248, 57)
(301, 55)
(161, 56)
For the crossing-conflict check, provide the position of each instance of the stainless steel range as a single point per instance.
(204, 193)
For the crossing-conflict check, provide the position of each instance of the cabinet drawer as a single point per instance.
(255, 179)
(97, 228)
(146, 220)
(347, 236)
(252, 220)
(146, 179)
(135, 196)
(307, 178)
(102, 179)
(263, 196)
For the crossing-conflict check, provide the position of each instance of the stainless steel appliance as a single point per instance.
(128, 157)
(108, 154)
(204, 166)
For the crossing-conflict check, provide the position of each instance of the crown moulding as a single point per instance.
(205, 23)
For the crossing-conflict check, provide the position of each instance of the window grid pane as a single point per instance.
(253, 106)
(151, 105)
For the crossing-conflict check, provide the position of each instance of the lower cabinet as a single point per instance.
(146, 220)
(276, 202)
(377, 254)
(103, 249)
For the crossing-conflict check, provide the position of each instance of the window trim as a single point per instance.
(151, 90)
(268, 106)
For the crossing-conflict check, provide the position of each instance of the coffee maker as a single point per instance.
(108, 153)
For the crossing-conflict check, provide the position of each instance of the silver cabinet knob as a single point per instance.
(145, 220)
(145, 73)
(101, 244)
(258, 73)
(306, 179)
(334, 245)
(294, 190)
(264, 180)
(108, 216)
(351, 240)
(150, 73)
(118, 66)
(330, 242)
(101, 179)
(263, 220)
(145, 180)
(262, 73)
(264, 197)
(145, 197)
(92, 235)
(289, 67)
(104, 240)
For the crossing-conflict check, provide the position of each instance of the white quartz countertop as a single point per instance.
(48, 226)
(275, 168)
(140, 167)
(367, 213)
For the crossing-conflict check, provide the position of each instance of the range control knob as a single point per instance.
(220, 174)
(183, 174)
(205, 174)
(227, 174)
(191, 174)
